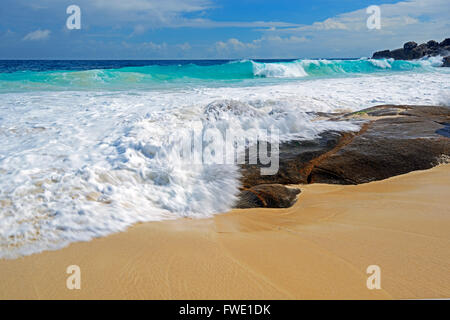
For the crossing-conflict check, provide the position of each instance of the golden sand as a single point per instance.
(320, 248)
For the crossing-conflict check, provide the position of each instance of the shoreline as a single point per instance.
(317, 249)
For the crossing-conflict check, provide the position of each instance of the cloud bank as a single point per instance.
(37, 35)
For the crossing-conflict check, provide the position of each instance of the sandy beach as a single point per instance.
(318, 249)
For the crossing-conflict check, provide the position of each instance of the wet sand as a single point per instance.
(318, 249)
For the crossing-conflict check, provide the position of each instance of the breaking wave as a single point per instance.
(144, 77)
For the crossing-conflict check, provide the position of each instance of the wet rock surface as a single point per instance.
(388, 147)
(295, 158)
(267, 196)
(393, 140)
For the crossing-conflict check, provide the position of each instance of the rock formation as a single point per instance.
(393, 140)
(267, 196)
(412, 51)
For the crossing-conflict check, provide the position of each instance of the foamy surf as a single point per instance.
(87, 163)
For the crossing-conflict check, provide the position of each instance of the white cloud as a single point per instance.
(184, 46)
(393, 16)
(165, 6)
(285, 40)
(147, 14)
(329, 24)
(236, 48)
(139, 29)
(343, 35)
(144, 50)
(169, 13)
(206, 23)
(347, 35)
(234, 45)
(37, 35)
(154, 46)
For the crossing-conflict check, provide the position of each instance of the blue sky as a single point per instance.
(214, 29)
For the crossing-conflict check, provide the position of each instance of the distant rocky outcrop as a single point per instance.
(411, 51)
(393, 140)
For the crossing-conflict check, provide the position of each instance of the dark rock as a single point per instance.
(267, 196)
(295, 160)
(446, 62)
(445, 43)
(399, 54)
(419, 52)
(393, 140)
(416, 52)
(412, 51)
(382, 54)
(433, 44)
(388, 147)
(409, 45)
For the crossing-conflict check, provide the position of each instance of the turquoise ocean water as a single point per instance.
(117, 75)
(89, 148)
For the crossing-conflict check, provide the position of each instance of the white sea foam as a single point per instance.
(383, 64)
(279, 70)
(78, 165)
(312, 68)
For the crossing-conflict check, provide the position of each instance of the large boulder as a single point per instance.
(385, 54)
(393, 140)
(433, 44)
(420, 51)
(267, 196)
(409, 46)
(399, 54)
(416, 139)
(445, 43)
(295, 160)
